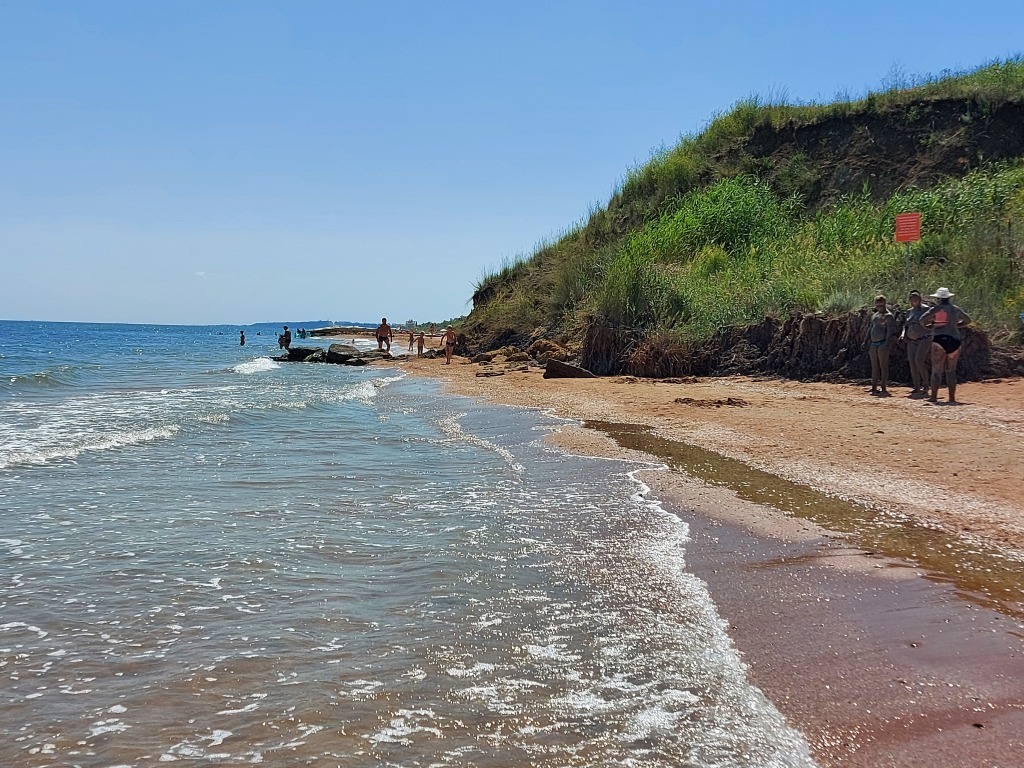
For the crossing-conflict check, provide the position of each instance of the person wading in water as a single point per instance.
(384, 335)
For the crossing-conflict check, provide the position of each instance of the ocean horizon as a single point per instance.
(208, 555)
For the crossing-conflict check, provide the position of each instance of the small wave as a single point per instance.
(62, 376)
(259, 365)
(116, 440)
(451, 427)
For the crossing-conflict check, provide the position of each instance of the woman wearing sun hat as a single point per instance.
(945, 319)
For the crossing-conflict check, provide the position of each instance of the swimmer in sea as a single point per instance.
(384, 335)
(448, 339)
(241, 338)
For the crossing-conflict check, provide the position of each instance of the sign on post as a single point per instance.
(908, 230)
(908, 227)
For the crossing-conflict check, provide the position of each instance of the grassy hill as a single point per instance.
(779, 208)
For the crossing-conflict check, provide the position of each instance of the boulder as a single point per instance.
(299, 354)
(543, 350)
(484, 357)
(517, 357)
(319, 356)
(341, 353)
(556, 369)
(430, 354)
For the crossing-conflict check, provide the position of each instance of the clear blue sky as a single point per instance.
(202, 162)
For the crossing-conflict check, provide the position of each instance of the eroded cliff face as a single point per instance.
(801, 346)
(874, 151)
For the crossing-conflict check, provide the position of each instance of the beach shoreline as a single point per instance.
(877, 659)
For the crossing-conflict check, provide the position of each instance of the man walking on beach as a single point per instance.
(448, 339)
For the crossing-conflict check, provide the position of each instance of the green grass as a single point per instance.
(687, 245)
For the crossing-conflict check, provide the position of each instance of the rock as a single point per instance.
(483, 357)
(375, 354)
(316, 357)
(556, 369)
(545, 349)
(341, 353)
(490, 373)
(517, 357)
(299, 354)
(430, 354)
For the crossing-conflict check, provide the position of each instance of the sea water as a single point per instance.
(210, 557)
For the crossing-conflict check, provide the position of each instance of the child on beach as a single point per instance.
(420, 341)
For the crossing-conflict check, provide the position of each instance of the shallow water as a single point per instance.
(208, 556)
(979, 573)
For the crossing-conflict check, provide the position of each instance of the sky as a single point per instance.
(234, 162)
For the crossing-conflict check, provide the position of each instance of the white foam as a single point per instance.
(259, 365)
(108, 726)
(17, 455)
(476, 669)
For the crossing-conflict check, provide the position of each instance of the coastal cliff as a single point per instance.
(704, 256)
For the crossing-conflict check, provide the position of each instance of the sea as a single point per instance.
(210, 557)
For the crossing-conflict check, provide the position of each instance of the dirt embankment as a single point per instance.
(807, 347)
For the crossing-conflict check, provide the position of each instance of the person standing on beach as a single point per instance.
(918, 340)
(285, 339)
(384, 334)
(448, 339)
(945, 319)
(412, 338)
(241, 338)
(878, 337)
(419, 344)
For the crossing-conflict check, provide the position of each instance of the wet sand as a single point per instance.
(882, 648)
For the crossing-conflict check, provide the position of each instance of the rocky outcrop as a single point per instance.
(337, 354)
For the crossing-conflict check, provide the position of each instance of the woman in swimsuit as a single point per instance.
(945, 319)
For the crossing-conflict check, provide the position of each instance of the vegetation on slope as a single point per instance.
(775, 208)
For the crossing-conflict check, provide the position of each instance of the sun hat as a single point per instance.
(942, 293)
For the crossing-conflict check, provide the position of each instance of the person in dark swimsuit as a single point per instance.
(448, 339)
(384, 335)
(945, 319)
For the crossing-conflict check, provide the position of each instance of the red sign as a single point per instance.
(908, 227)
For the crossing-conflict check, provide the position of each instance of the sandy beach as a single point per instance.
(867, 553)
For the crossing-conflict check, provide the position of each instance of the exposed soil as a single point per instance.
(916, 145)
(802, 346)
